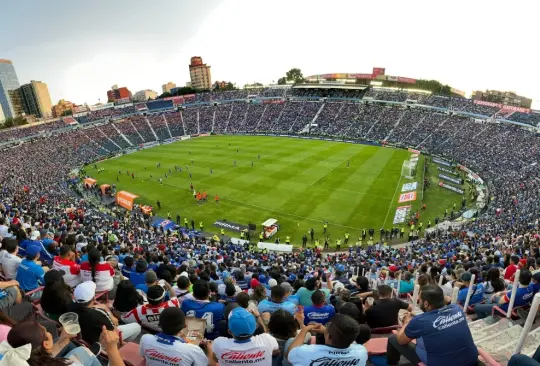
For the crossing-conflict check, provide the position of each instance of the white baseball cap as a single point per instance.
(85, 292)
(272, 282)
(35, 235)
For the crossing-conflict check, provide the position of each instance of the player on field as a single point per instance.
(216, 198)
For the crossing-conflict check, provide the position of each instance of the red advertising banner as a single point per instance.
(176, 100)
(406, 197)
(502, 106)
(360, 76)
(406, 80)
(274, 101)
(378, 71)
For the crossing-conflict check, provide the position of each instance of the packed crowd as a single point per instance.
(154, 278)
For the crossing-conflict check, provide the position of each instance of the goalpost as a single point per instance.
(408, 169)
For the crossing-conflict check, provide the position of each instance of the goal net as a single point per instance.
(408, 169)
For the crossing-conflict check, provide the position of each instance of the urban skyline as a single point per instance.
(80, 68)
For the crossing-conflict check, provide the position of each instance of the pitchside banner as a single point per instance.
(406, 197)
(451, 179)
(441, 162)
(401, 214)
(230, 225)
(451, 188)
(409, 187)
(446, 170)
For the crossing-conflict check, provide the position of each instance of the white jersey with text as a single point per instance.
(159, 350)
(257, 351)
(321, 355)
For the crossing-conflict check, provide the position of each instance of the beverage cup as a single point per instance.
(70, 323)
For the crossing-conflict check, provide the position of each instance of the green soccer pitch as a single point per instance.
(299, 182)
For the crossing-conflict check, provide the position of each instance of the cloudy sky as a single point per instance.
(81, 48)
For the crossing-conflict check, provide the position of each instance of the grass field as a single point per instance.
(301, 183)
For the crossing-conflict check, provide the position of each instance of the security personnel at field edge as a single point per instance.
(359, 242)
(316, 243)
(261, 236)
(185, 222)
(370, 242)
(346, 238)
(420, 226)
(287, 240)
(402, 231)
(241, 235)
(364, 234)
(222, 231)
(325, 226)
(338, 244)
(169, 215)
(201, 225)
(429, 224)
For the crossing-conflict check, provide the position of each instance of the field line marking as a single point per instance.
(392, 201)
(334, 168)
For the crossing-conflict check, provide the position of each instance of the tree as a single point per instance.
(433, 86)
(282, 81)
(295, 75)
(67, 112)
(13, 122)
(164, 95)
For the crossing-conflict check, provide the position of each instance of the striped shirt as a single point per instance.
(149, 314)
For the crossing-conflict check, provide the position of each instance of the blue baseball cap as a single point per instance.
(241, 322)
(262, 279)
(33, 250)
(292, 277)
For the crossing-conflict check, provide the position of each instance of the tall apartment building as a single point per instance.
(118, 93)
(36, 99)
(166, 88)
(199, 73)
(8, 82)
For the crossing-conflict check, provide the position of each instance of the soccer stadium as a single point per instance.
(353, 218)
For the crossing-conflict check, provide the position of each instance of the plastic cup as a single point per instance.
(70, 323)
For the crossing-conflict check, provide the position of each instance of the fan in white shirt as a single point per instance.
(168, 347)
(244, 348)
(10, 262)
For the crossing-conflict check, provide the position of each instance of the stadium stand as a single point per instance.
(41, 208)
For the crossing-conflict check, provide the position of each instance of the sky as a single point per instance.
(82, 48)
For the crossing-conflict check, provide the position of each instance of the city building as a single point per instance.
(63, 107)
(166, 88)
(118, 93)
(8, 82)
(36, 99)
(506, 98)
(199, 73)
(144, 95)
(188, 84)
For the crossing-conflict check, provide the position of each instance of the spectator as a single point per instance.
(56, 297)
(512, 268)
(101, 273)
(319, 312)
(30, 273)
(446, 338)
(201, 307)
(524, 295)
(148, 314)
(385, 311)
(311, 285)
(283, 327)
(494, 282)
(138, 277)
(127, 268)
(406, 286)
(10, 261)
(477, 290)
(169, 344)
(182, 288)
(4, 229)
(127, 298)
(66, 263)
(258, 349)
(94, 316)
(340, 334)
(277, 295)
(523, 360)
(150, 279)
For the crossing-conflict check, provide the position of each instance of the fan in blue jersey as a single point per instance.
(318, 312)
(278, 301)
(202, 308)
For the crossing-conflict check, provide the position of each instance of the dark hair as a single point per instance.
(230, 290)
(183, 283)
(277, 292)
(363, 283)
(434, 296)
(494, 277)
(342, 330)
(514, 259)
(127, 297)
(384, 290)
(364, 334)
(128, 261)
(94, 257)
(56, 297)
(6, 320)
(173, 327)
(10, 245)
(25, 333)
(282, 324)
(311, 284)
(317, 298)
(525, 277)
(201, 290)
(350, 309)
(64, 250)
(259, 293)
(242, 299)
